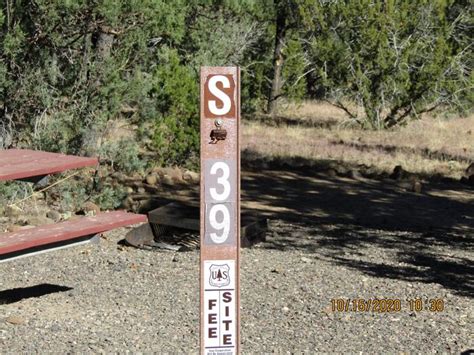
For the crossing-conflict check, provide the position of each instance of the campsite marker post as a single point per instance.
(220, 210)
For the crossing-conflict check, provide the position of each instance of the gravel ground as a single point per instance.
(109, 298)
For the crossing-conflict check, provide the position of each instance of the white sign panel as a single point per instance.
(219, 302)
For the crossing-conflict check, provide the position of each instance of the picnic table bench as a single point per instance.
(31, 165)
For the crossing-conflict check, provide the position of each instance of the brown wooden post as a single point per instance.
(220, 210)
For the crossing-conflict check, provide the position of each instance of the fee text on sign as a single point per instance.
(220, 210)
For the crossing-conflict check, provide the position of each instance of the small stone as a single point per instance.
(398, 173)
(152, 179)
(128, 203)
(167, 180)
(305, 259)
(66, 215)
(54, 215)
(342, 171)
(90, 208)
(370, 172)
(141, 190)
(305, 288)
(355, 174)
(16, 320)
(285, 309)
(191, 176)
(470, 170)
(416, 187)
(331, 173)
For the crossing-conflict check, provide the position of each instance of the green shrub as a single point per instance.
(396, 59)
(109, 197)
(123, 155)
(11, 191)
(176, 92)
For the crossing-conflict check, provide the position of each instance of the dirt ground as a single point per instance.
(329, 238)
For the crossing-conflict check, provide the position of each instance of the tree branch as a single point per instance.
(341, 106)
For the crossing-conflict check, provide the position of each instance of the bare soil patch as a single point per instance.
(319, 131)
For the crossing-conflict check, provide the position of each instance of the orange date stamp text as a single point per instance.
(386, 305)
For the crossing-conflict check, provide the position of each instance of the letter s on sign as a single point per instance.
(221, 95)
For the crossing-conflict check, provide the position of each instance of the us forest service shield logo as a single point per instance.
(219, 275)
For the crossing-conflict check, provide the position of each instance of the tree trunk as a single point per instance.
(277, 62)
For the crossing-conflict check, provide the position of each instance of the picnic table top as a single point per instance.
(25, 163)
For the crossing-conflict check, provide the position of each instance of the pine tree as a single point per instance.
(396, 58)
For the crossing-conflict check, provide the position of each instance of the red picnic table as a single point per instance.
(25, 163)
(31, 164)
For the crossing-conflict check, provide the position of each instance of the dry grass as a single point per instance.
(316, 131)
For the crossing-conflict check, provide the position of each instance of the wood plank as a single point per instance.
(24, 163)
(54, 233)
(176, 215)
(179, 215)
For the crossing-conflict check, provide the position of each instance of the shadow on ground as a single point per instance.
(374, 226)
(344, 220)
(288, 121)
(390, 149)
(21, 293)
